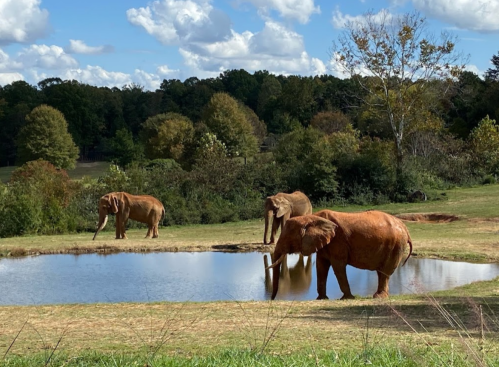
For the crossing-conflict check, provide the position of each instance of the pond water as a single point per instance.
(205, 276)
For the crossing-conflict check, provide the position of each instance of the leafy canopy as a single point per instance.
(46, 136)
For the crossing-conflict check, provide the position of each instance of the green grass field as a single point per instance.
(91, 169)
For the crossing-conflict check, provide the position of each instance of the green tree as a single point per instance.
(166, 135)
(401, 58)
(228, 122)
(123, 149)
(484, 141)
(330, 121)
(46, 136)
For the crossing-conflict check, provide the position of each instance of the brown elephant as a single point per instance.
(142, 208)
(370, 240)
(294, 280)
(281, 207)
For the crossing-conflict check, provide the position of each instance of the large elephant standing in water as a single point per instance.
(280, 207)
(370, 240)
(142, 208)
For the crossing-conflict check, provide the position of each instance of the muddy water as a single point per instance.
(207, 276)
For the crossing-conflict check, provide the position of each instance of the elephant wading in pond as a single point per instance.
(142, 208)
(281, 207)
(293, 280)
(370, 240)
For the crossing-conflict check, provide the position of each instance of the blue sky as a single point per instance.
(118, 42)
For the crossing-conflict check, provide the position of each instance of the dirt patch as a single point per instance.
(428, 218)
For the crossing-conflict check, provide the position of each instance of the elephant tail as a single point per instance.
(409, 241)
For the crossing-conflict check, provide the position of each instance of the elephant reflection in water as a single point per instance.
(295, 280)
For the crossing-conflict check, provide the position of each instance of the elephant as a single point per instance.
(142, 208)
(371, 240)
(293, 281)
(281, 207)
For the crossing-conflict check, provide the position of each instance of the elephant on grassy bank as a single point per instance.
(280, 208)
(294, 280)
(142, 208)
(370, 240)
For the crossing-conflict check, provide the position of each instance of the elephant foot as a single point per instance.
(380, 295)
(347, 296)
(322, 297)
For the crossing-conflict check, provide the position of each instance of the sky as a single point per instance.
(118, 42)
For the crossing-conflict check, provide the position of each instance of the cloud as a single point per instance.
(300, 10)
(8, 78)
(474, 15)
(276, 40)
(22, 21)
(174, 22)
(46, 57)
(340, 20)
(79, 47)
(165, 72)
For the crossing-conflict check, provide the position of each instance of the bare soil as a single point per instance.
(428, 218)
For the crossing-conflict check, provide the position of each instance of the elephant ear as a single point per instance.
(316, 235)
(283, 208)
(113, 200)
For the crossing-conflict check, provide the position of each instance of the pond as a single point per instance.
(205, 276)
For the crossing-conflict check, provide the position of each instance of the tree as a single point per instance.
(228, 122)
(330, 121)
(395, 59)
(166, 135)
(493, 73)
(484, 140)
(46, 136)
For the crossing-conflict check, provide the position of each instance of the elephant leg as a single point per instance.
(322, 265)
(149, 231)
(275, 226)
(340, 270)
(118, 226)
(123, 228)
(383, 280)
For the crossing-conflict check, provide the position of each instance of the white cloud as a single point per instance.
(165, 72)
(300, 10)
(475, 15)
(22, 21)
(277, 40)
(79, 47)
(340, 20)
(7, 64)
(8, 78)
(46, 57)
(95, 75)
(180, 21)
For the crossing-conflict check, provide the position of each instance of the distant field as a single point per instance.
(92, 169)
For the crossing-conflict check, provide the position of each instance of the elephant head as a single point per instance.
(275, 207)
(304, 235)
(108, 204)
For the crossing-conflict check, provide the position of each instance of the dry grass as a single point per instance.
(203, 328)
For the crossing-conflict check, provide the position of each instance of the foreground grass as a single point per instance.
(458, 327)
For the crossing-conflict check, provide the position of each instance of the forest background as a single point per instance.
(212, 149)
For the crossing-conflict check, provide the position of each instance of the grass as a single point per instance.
(92, 170)
(456, 327)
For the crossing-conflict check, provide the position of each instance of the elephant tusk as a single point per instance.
(276, 263)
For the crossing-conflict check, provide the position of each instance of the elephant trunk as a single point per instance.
(276, 266)
(269, 214)
(102, 224)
